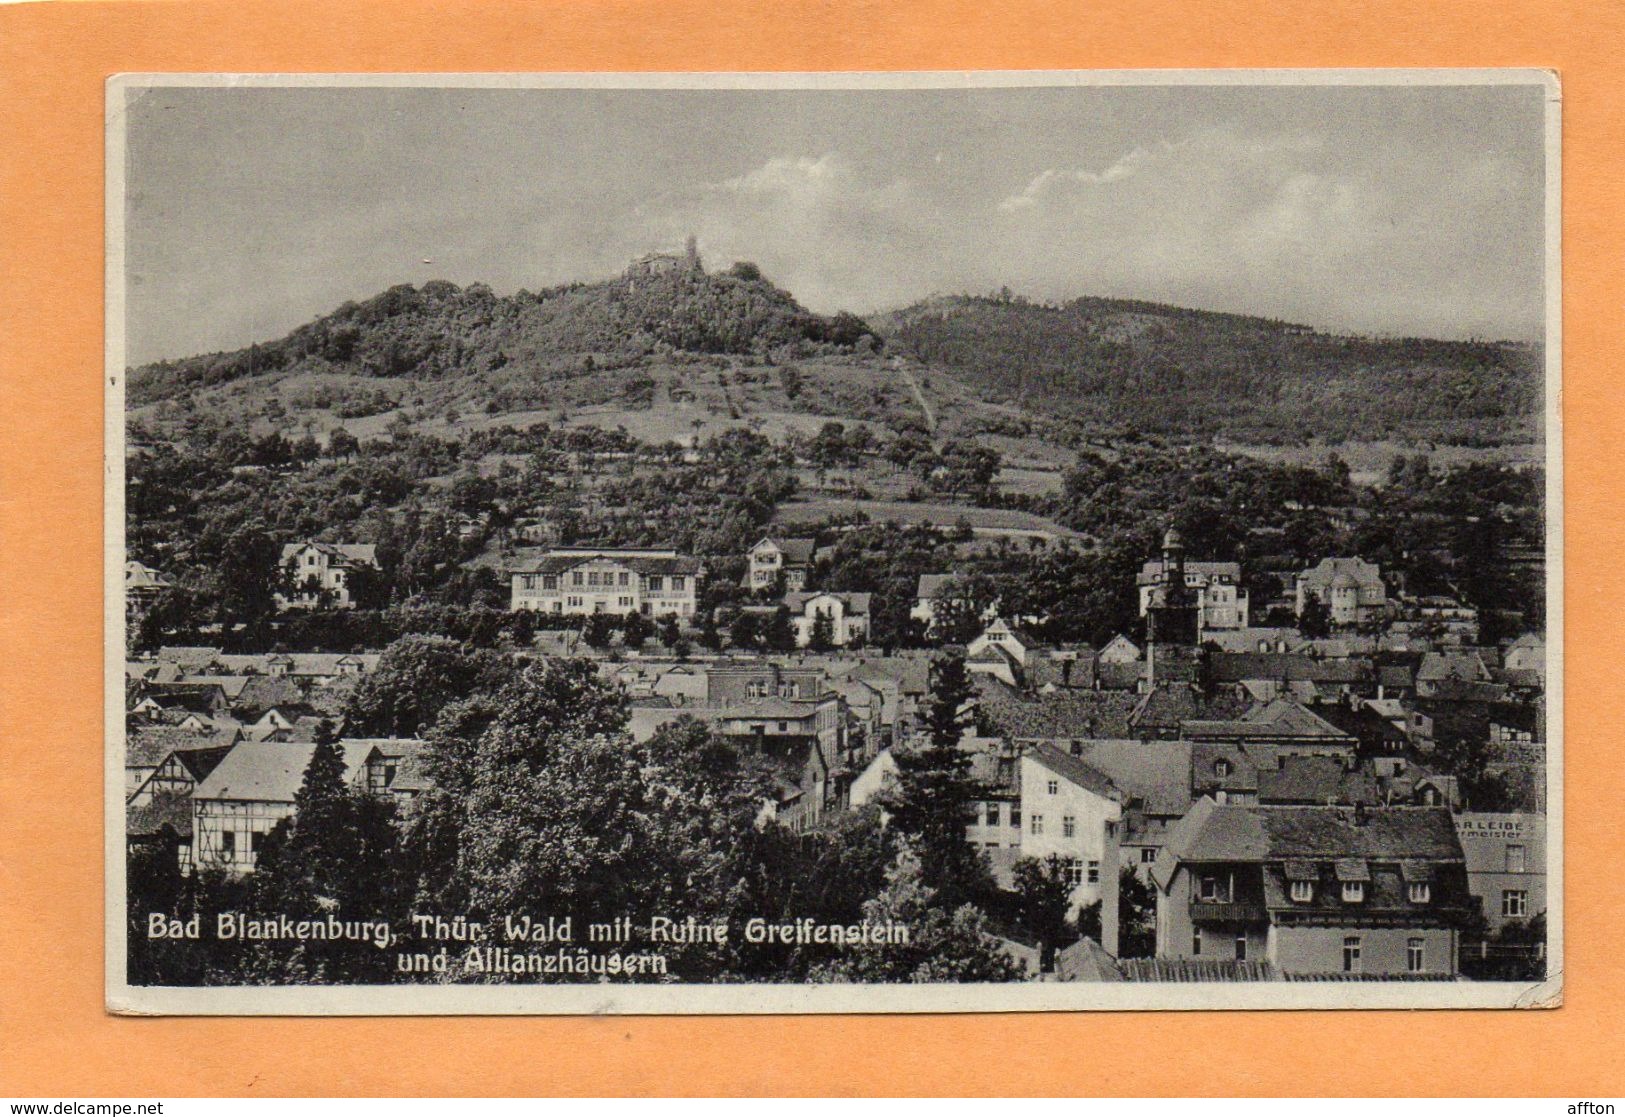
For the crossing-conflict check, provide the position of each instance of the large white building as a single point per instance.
(1070, 810)
(585, 580)
(1351, 588)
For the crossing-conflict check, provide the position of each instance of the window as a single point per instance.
(1094, 872)
(1221, 768)
(1054, 787)
(1215, 889)
(1196, 942)
(1302, 891)
(1514, 903)
(1074, 872)
(1351, 954)
(1015, 817)
(1419, 892)
(1147, 855)
(1241, 946)
(784, 727)
(550, 581)
(1069, 826)
(1517, 859)
(576, 579)
(756, 688)
(1036, 826)
(254, 837)
(625, 579)
(678, 582)
(228, 842)
(1353, 891)
(657, 584)
(1111, 829)
(592, 577)
(992, 814)
(1413, 955)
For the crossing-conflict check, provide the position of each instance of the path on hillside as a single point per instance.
(925, 404)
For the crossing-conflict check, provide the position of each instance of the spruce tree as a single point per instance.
(931, 800)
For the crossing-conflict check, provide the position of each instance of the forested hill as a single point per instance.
(1143, 366)
(441, 330)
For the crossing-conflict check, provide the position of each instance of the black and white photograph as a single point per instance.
(833, 543)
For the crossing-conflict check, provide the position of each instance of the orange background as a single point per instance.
(55, 1038)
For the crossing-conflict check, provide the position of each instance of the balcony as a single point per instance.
(1241, 911)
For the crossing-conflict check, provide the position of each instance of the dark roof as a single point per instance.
(1060, 713)
(856, 604)
(1194, 969)
(642, 564)
(1235, 667)
(1281, 718)
(1362, 722)
(189, 656)
(366, 553)
(145, 746)
(1073, 770)
(1313, 780)
(930, 586)
(796, 552)
(1214, 832)
(1156, 773)
(265, 691)
(1119, 676)
(162, 812)
(1086, 960)
(1169, 707)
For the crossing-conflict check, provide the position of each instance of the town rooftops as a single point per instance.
(1231, 667)
(191, 657)
(1274, 721)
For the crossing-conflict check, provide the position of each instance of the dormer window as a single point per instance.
(1419, 892)
(1303, 891)
(1353, 891)
(1221, 768)
(1214, 888)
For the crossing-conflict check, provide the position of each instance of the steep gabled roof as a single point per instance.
(365, 554)
(1073, 770)
(270, 771)
(796, 552)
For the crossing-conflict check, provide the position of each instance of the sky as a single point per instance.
(1393, 210)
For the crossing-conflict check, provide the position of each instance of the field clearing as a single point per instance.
(1369, 461)
(1030, 482)
(983, 521)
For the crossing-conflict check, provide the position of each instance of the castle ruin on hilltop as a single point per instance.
(666, 263)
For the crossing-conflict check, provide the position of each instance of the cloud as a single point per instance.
(1049, 181)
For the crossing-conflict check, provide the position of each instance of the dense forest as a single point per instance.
(1122, 365)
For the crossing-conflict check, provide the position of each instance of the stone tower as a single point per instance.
(1171, 619)
(691, 253)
